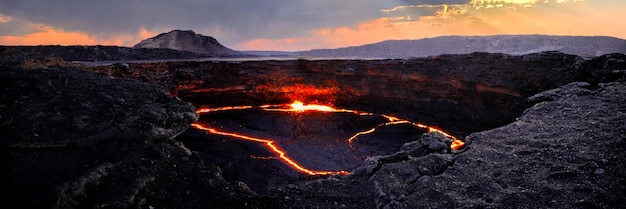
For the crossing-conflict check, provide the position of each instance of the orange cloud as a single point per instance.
(52, 36)
(364, 33)
(286, 44)
(478, 17)
(578, 18)
(4, 19)
(49, 36)
(145, 34)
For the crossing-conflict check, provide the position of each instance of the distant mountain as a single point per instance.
(178, 44)
(188, 41)
(508, 44)
(175, 45)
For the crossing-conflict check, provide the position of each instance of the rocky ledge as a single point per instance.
(75, 139)
(564, 152)
(59, 107)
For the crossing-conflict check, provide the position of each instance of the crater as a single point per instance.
(459, 94)
(309, 139)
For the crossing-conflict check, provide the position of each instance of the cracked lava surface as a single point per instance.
(349, 152)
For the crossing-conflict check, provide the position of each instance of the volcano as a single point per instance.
(311, 139)
(542, 129)
(249, 124)
(187, 40)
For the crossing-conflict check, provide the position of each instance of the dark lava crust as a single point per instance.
(459, 93)
(74, 139)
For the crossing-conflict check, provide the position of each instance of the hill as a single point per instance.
(187, 41)
(508, 44)
(174, 45)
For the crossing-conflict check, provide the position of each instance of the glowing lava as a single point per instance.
(298, 106)
(457, 144)
(270, 144)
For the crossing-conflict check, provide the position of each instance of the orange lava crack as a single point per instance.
(298, 106)
(269, 143)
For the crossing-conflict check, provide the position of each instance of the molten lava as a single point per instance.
(270, 144)
(298, 106)
(457, 144)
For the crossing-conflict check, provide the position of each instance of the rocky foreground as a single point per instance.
(564, 152)
(76, 139)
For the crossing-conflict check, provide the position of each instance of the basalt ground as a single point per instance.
(461, 94)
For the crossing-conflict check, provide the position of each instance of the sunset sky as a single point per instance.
(291, 25)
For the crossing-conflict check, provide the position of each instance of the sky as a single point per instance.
(294, 25)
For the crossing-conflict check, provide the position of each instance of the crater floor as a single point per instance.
(278, 141)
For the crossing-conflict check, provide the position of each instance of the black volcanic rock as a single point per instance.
(187, 41)
(75, 139)
(565, 153)
(17, 54)
(507, 44)
(459, 93)
(60, 107)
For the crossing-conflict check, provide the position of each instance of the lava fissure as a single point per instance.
(299, 107)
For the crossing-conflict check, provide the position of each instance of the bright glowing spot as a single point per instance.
(297, 105)
(301, 107)
(457, 144)
(206, 110)
(361, 133)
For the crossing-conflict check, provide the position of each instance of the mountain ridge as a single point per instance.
(179, 44)
(187, 40)
(507, 44)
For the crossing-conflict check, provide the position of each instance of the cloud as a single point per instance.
(4, 18)
(10, 26)
(53, 36)
(422, 9)
(364, 33)
(415, 12)
(301, 24)
(285, 44)
(230, 21)
(554, 17)
(49, 36)
(431, 2)
(441, 13)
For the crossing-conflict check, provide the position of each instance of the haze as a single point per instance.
(300, 25)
